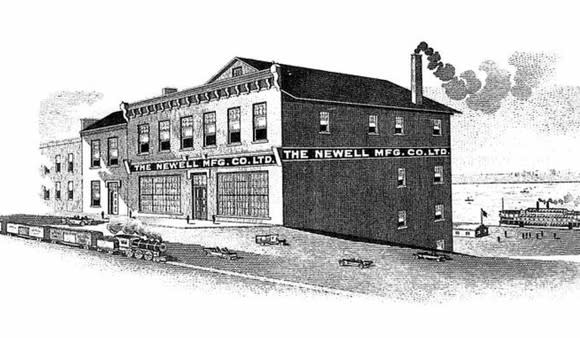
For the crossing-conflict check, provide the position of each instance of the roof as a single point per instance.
(112, 119)
(313, 84)
(466, 226)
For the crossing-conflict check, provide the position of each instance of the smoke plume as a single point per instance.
(531, 70)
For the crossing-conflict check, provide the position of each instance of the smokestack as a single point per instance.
(416, 78)
(537, 204)
(548, 205)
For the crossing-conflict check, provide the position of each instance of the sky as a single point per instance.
(127, 51)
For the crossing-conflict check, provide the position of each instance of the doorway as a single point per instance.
(113, 194)
(199, 196)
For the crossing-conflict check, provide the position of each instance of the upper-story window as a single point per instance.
(57, 190)
(164, 136)
(260, 113)
(401, 178)
(187, 132)
(71, 166)
(95, 153)
(57, 163)
(438, 177)
(113, 151)
(373, 124)
(399, 125)
(324, 122)
(209, 130)
(46, 192)
(234, 125)
(436, 127)
(402, 219)
(143, 141)
(439, 212)
(237, 71)
(70, 190)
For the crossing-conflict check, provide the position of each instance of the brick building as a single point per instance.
(61, 173)
(269, 143)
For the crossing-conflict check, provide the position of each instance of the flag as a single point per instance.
(483, 213)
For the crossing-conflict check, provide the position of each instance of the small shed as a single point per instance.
(470, 230)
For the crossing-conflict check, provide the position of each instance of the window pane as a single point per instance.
(243, 194)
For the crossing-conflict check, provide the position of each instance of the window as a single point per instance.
(57, 190)
(95, 193)
(143, 132)
(236, 71)
(243, 194)
(46, 193)
(324, 122)
(402, 219)
(57, 163)
(46, 170)
(71, 167)
(113, 151)
(457, 232)
(70, 190)
(439, 212)
(209, 129)
(436, 127)
(234, 125)
(164, 140)
(438, 177)
(402, 178)
(260, 121)
(467, 233)
(399, 125)
(160, 194)
(95, 153)
(373, 124)
(187, 132)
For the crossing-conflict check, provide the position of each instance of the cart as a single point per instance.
(363, 264)
(270, 239)
(224, 253)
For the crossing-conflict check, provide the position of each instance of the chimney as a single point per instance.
(537, 204)
(168, 90)
(85, 122)
(548, 205)
(416, 79)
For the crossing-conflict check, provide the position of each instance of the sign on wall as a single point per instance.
(237, 161)
(309, 154)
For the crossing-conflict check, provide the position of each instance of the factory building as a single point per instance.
(274, 144)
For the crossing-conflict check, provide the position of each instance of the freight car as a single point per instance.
(38, 233)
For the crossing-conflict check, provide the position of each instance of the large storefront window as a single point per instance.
(243, 194)
(160, 194)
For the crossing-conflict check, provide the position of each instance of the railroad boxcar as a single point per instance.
(108, 244)
(82, 238)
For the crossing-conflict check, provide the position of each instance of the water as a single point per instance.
(488, 197)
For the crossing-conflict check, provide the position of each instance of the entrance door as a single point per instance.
(199, 196)
(440, 244)
(113, 198)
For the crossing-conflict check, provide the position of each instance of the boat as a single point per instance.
(540, 217)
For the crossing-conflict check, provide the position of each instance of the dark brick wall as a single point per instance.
(360, 198)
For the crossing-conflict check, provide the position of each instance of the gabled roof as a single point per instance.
(112, 119)
(313, 84)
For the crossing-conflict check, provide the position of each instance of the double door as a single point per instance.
(199, 196)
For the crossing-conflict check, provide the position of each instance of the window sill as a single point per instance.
(99, 167)
(164, 151)
(95, 206)
(373, 134)
(143, 154)
(437, 183)
(324, 132)
(396, 134)
(212, 146)
(259, 141)
(401, 186)
(234, 144)
(439, 220)
(113, 166)
(187, 149)
(403, 228)
(437, 135)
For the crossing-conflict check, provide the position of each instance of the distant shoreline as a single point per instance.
(517, 182)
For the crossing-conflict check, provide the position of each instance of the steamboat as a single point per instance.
(540, 217)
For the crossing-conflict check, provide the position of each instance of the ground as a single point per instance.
(313, 259)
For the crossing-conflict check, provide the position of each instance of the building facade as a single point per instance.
(61, 172)
(274, 144)
(105, 180)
